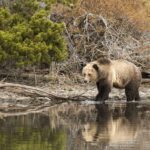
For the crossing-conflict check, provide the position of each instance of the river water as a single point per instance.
(79, 126)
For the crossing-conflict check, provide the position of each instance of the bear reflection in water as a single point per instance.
(112, 126)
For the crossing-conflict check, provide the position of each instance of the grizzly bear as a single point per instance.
(113, 73)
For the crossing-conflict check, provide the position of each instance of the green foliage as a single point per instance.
(28, 36)
(67, 1)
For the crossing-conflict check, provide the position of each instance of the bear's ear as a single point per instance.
(95, 66)
(82, 65)
(104, 61)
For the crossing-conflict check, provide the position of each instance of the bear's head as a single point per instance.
(90, 72)
(96, 70)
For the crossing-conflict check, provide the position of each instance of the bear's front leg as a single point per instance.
(103, 91)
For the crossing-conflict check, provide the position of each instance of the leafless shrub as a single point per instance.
(98, 36)
(91, 35)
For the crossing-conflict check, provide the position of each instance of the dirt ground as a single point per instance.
(22, 99)
(67, 90)
(91, 90)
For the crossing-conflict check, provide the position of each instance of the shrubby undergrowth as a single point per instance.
(27, 35)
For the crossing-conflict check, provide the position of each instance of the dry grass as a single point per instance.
(135, 11)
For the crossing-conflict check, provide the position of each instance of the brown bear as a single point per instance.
(113, 73)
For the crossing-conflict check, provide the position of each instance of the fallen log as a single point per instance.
(17, 98)
(37, 92)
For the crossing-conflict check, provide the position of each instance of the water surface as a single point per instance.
(79, 126)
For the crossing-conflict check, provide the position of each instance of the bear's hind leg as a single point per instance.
(129, 94)
(132, 92)
(137, 96)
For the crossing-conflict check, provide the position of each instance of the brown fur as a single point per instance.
(103, 61)
(113, 73)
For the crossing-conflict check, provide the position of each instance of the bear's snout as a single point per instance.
(85, 81)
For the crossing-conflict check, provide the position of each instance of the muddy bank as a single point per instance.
(28, 99)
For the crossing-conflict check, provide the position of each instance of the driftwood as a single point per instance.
(23, 99)
(37, 92)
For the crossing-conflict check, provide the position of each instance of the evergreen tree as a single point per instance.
(28, 36)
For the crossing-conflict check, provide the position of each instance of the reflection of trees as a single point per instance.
(44, 131)
(30, 132)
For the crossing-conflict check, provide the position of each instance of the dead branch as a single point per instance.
(91, 36)
(37, 92)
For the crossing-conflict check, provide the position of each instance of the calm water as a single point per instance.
(112, 126)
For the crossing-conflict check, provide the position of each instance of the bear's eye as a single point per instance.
(84, 74)
(89, 74)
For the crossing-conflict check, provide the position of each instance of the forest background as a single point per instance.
(55, 37)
